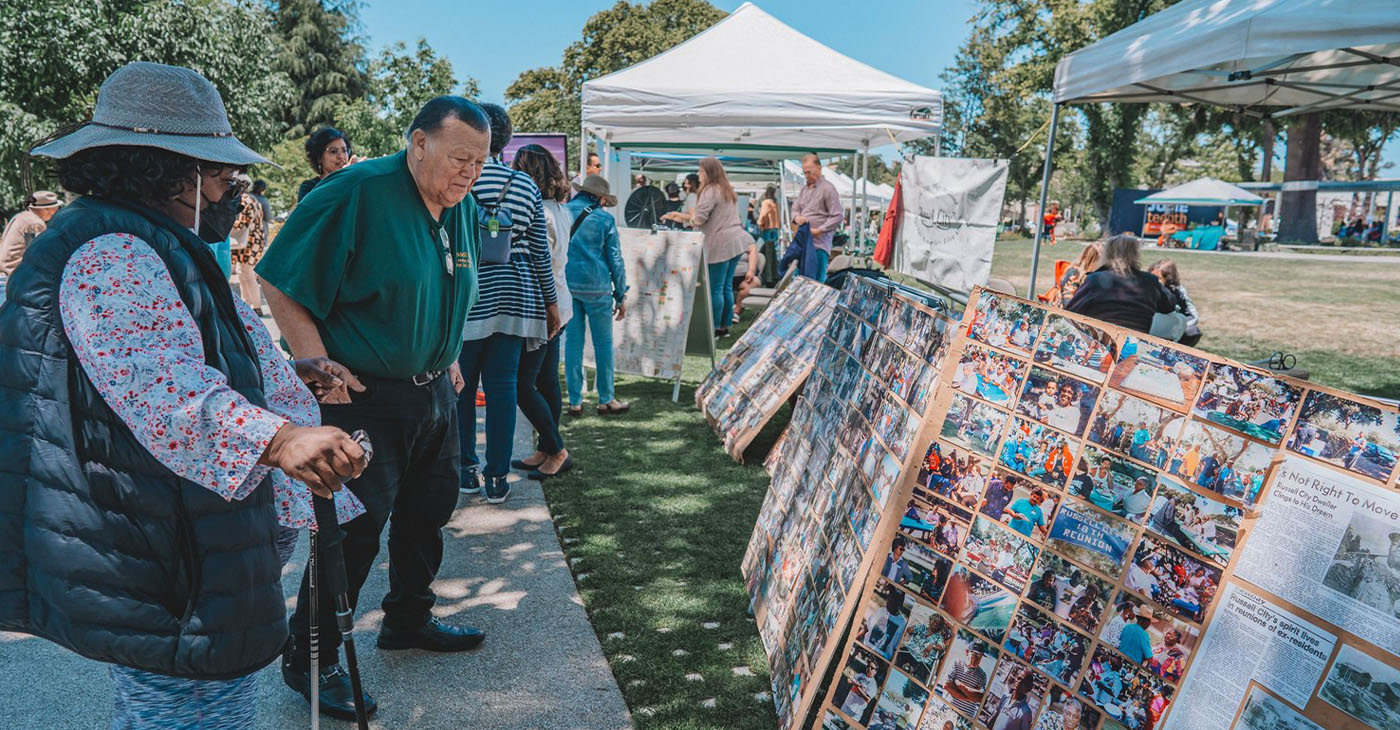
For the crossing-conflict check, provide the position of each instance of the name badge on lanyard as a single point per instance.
(446, 251)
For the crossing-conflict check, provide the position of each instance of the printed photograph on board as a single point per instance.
(968, 669)
(1131, 426)
(900, 705)
(1347, 433)
(1005, 323)
(925, 643)
(1079, 349)
(1037, 451)
(1252, 403)
(1129, 695)
(939, 715)
(1174, 580)
(833, 721)
(1196, 522)
(1166, 374)
(973, 424)
(1218, 461)
(978, 603)
(990, 375)
(884, 619)
(1113, 484)
(915, 567)
(1057, 400)
(1263, 711)
(1366, 566)
(1090, 537)
(938, 525)
(999, 553)
(1046, 644)
(1013, 697)
(955, 474)
(1150, 637)
(1066, 712)
(1069, 591)
(1020, 504)
(1364, 687)
(859, 684)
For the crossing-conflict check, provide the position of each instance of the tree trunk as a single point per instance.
(1304, 162)
(1269, 134)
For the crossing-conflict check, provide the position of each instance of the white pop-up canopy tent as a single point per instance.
(752, 85)
(1206, 191)
(1261, 57)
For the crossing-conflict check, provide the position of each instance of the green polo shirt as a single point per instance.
(364, 256)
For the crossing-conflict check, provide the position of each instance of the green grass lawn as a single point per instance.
(655, 518)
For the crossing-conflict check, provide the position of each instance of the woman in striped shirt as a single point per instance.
(517, 310)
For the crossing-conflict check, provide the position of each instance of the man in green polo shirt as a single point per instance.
(373, 275)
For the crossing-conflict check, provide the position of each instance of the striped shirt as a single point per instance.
(513, 296)
(967, 676)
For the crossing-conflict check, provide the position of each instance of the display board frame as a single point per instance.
(1003, 626)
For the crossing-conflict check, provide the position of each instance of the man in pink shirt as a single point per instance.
(818, 205)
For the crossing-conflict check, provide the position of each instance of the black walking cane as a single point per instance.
(327, 542)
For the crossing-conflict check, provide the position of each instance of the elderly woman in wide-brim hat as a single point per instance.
(152, 432)
(24, 228)
(597, 282)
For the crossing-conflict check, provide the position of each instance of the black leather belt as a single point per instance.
(427, 378)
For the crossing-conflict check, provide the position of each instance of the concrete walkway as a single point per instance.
(503, 570)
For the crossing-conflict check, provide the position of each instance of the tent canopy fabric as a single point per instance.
(784, 91)
(1206, 191)
(1301, 55)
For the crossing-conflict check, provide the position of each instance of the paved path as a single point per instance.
(541, 665)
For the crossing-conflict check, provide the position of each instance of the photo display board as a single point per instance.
(767, 365)
(663, 270)
(853, 434)
(1109, 531)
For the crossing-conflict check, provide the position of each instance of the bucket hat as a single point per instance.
(597, 185)
(153, 105)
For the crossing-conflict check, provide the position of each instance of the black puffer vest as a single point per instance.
(104, 550)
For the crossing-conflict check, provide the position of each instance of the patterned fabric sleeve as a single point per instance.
(138, 344)
(288, 397)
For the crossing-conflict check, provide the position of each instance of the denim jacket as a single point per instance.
(595, 253)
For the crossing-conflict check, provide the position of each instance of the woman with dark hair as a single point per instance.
(537, 384)
(768, 225)
(328, 150)
(1119, 292)
(690, 192)
(1166, 272)
(517, 313)
(184, 437)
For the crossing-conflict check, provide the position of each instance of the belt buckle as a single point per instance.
(426, 378)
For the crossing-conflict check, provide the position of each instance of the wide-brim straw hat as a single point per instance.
(597, 185)
(146, 104)
(45, 199)
(1145, 611)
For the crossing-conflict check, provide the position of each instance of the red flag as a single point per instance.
(884, 245)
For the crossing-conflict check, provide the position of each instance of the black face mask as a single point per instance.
(216, 221)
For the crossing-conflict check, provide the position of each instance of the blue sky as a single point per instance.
(494, 40)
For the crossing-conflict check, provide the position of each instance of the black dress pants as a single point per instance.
(410, 484)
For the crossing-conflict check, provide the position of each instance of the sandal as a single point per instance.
(614, 406)
(576, 410)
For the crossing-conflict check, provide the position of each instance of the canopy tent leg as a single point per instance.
(1044, 193)
(1385, 218)
(864, 194)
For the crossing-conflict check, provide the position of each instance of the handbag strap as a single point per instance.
(500, 197)
(579, 220)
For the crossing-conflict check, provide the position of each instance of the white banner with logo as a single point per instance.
(951, 207)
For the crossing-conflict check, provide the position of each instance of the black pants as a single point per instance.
(538, 395)
(411, 484)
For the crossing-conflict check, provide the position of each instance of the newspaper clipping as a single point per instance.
(1330, 544)
(1250, 638)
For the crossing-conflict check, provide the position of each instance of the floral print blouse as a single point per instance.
(138, 344)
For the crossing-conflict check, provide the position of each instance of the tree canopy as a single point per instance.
(548, 99)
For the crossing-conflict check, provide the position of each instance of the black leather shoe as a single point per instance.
(337, 700)
(432, 636)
